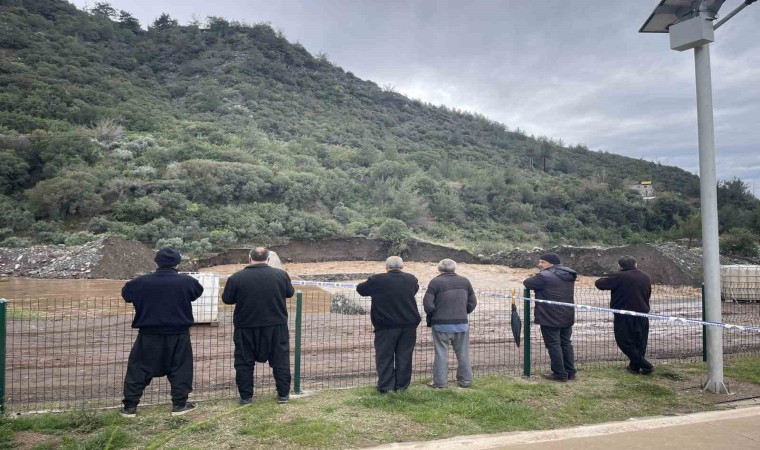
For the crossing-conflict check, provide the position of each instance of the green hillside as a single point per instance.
(215, 134)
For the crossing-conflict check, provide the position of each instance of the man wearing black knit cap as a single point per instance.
(555, 282)
(163, 314)
(631, 289)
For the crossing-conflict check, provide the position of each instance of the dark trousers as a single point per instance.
(560, 346)
(262, 344)
(157, 355)
(631, 336)
(393, 358)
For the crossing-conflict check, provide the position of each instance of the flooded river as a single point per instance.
(18, 288)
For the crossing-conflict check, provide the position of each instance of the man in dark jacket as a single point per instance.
(395, 317)
(163, 314)
(448, 300)
(631, 289)
(555, 282)
(261, 323)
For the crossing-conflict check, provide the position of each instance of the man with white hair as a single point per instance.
(395, 317)
(448, 301)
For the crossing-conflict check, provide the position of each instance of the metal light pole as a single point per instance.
(689, 23)
(709, 205)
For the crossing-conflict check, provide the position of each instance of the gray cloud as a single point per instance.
(577, 71)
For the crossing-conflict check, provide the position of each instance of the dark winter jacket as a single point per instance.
(631, 289)
(162, 301)
(393, 303)
(556, 283)
(449, 299)
(258, 293)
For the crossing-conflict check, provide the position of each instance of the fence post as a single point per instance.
(704, 327)
(3, 316)
(297, 369)
(526, 334)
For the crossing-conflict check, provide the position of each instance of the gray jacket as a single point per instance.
(449, 299)
(556, 283)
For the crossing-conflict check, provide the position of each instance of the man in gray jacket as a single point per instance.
(448, 301)
(555, 282)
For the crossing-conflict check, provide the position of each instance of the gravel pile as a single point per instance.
(343, 304)
(109, 257)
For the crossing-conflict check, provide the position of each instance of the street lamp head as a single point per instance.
(670, 12)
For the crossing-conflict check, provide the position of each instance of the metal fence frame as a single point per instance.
(71, 353)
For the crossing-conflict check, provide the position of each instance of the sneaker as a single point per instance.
(550, 376)
(245, 401)
(464, 386)
(571, 377)
(631, 370)
(129, 413)
(647, 371)
(283, 399)
(435, 386)
(187, 407)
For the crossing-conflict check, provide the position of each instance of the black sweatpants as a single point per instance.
(631, 336)
(393, 358)
(157, 355)
(262, 344)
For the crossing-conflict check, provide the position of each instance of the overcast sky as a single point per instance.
(576, 70)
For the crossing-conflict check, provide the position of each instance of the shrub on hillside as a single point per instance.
(396, 233)
(739, 242)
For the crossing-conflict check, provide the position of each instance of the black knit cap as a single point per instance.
(167, 257)
(551, 258)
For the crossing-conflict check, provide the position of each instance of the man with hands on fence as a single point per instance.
(448, 301)
(555, 282)
(261, 323)
(395, 317)
(163, 315)
(630, 289)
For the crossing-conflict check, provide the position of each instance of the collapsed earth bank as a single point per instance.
(116, 258)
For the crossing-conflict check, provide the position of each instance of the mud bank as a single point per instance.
(115, 258)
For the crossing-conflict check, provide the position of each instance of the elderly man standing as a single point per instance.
(395, 317)
(261, 323)
(163, 314)
(631, 289)
(448, 301)
(555, 282)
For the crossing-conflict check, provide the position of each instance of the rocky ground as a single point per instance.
(109, 258)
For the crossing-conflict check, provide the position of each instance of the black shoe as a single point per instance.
(464, 386)
(187, 407)
(435, 386)
(283, 399)
(245, 401)
(647, 371)
(571, 377)
(631, 370)
(551, 376)
(129, 413)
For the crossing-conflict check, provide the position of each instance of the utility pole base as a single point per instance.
(716, 387)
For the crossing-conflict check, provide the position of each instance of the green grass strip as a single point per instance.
(110, 438)
(160, 440)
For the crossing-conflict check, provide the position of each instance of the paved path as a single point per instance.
(733, 429)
